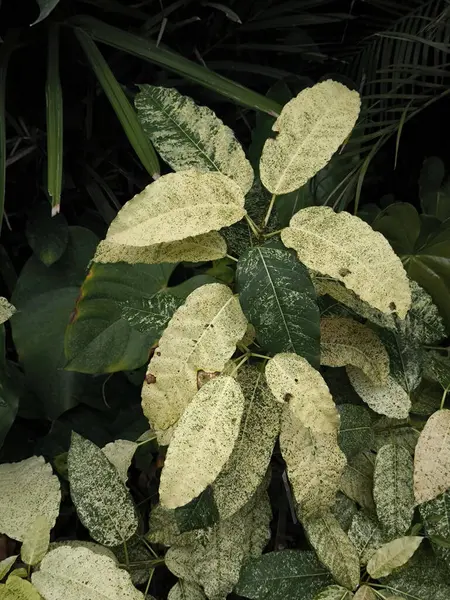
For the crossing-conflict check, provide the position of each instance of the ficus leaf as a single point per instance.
(6, 310)
(344, 509)
(28, 489)
(346, 342)
(177, 206)
(186, 590)
(392, 555)
(120, 454)
(432, 458)
(202, 335)
(355, 431)
(334, 549)
(366, 535)
(17, 588)
(188, 136)
(36, 541)
(334, 592)
(365, 593)
(6, 565)
(163, 526)
(405, 357)
(103, 503)
(203, 441)
(310, 128)
(434, 515)
(347, 249)
(357, 480)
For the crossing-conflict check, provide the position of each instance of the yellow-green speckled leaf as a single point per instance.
(389, 399)
(346, 248)
(163, 526)
(120, 454)
(334, 549)
(357, 480)
(36, 541)
(205, 247)
(334, 592)
(392, 555)
(203, 441)
(186, 590)
(80, 574)
(345, 342)
(188, 136)
(432, 458)
(244, 471)
(177, 206)
(202, 335)
(28, 489)
(6, 310)
(17, 588)
(292, 380)
(314, 464)
(6, 565)
(365, 593)
(310, 129)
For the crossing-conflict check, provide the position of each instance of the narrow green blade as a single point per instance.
(134, 44)
(123, 109)
(3, 69)
(54, 100)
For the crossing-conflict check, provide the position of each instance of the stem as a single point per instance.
(444, 395)
(150, 576)
(269, 210)
(272, 234)
(147, 545)
(125, 551)
(252, 226)
(239, 365)
(151, 439)
(231, 257)
(259, 356)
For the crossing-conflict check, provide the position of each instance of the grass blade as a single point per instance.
(134, 44)
(54, 101)
(399, 133)
(122, 107)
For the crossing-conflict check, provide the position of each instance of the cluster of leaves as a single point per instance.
(325, 347)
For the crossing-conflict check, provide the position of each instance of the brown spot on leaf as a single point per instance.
(73, 316)
(149, 378)
(393, 306)
(203, 377)
(344, 272)
(287, 398)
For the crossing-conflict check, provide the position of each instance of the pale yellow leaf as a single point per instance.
(203, 441)
(120, 453)
(177, 206)
(92, 546)
(346, 342)
(6, 310)
(314, 464)
(17, 588)
(293, 381)
(346, 248)
(6, 565)
(432, 458)
(389, 399)
(80, 574)
(365, 593)
(28, 489)
(311, 127)
(205, 247)
(202, 335)
(186, 590)
(392, 555)
(334, 592)
(36, 541)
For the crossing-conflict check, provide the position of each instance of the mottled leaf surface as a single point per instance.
(334, 592)
(366, 535)
(357, 480)
(120, 454)
(36, 541)
(355, 431)
(392, 555)
(6, 310)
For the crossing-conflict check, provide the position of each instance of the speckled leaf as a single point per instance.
(314, 464)
(103, 503)
(293, 381)
(36, 541)
(401, 436)
(80, 574)
(392, 555)
(186, 590)
(203, 441)
(432, 458)
(344, 510)
(199, 513)
(334, 549)
(205, 247)
(28, 489)
(346, 342)
(6, 565)
(278, 298)
(162, 527)
(437, 368)
(355, 431)
(389, 399)
(357, 480)
(347, 249)
(423, 322)
(202, 335)
(177, 206)
(6, 310)
(247, 465)
(120, 454)
(393, 489)
(334, 592)
(188, 136)
(282, 576)
(365, 593)
(366, 535)
(310, 128)
(435, 516)
(214, 560)
(17, 588)
(92, 546)
(405, 358)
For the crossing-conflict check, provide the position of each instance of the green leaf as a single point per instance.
(423, 245)
(17, 588)
(434, 193)
(355, 430)
(199, 513)
(163, 527)
(344, 509)
(366, 535)
(334, 592)
(103, 503)
(122, 107)
(334, 549)
(120, 313)
(392, 555)
(278, 298)
(36, 541)
(437, 368)
(287, 205)
(47, 236)
(188, 136)
(393, 489)
(45, 7)
(437, 524)
(406, 358)
(357, 480)
(9, 391)
(6, 565)
(282, 576)
(150, 51)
